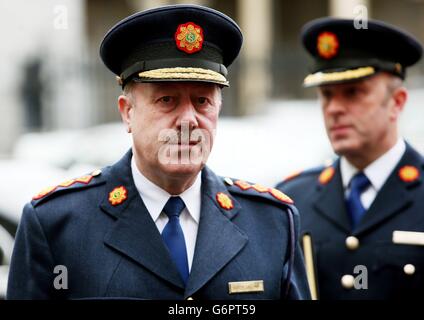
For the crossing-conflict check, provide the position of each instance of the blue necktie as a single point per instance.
(358, 184)
(173, 235)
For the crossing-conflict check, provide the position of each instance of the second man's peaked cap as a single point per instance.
(346, 50)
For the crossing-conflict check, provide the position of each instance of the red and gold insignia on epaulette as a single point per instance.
(67, 183)
(292, 175)
(189, 37)
(326, 175)
(44, 192)
(327, 45)
(260, 188)
(277, 194)
(84, 179)
(224, 201)
(409, 174)
(243, 185)
(118, 195)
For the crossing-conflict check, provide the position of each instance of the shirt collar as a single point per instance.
(379, 170)
(192, 198)
(155, 197)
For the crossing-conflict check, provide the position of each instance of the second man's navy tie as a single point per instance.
(173, 235)
(358, 185)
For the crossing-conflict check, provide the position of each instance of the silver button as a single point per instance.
(96, 173)
(352, 243)
(409, 269)
(348, 281)
(229, 181)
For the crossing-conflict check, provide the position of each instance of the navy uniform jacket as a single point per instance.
(399, 206)
(117, 251)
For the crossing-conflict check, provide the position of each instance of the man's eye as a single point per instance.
(202, 100)
(166, 99)
(352, 92)
(325, 94)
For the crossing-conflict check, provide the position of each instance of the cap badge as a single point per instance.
(328, 45)
(118, 195)
(224, 201)
(409, 173)
(189, 37)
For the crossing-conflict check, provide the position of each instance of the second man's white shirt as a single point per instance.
(155, 199)
(377, 172)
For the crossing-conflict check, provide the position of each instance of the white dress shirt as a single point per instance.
(377, 172)
(155, 199)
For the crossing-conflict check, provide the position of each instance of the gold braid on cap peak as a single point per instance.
(185, 73)
(321, 77)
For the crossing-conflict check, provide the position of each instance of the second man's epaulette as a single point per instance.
(87, 180)
(303, 173)
(256, 190)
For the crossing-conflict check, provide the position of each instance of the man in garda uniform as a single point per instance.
(159, 224)
(365, 212)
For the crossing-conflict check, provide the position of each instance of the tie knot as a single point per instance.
(359, 182)
(174, 207)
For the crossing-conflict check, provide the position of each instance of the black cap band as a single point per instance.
(141, 66)
(352, 63)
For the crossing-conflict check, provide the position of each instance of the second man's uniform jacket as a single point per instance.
(388, 240)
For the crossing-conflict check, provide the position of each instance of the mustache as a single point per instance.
(186, 137)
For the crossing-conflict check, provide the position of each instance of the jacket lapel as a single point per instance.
(394, 196)
(134, 233)
(330, 201)
(218, 239)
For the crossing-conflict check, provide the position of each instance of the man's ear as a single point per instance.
(221, 100)
(125, 109)
(400, 96)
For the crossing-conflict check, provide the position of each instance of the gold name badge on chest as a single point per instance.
(246, 286)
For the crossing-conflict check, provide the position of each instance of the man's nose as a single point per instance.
(334, 106)
(187, 115)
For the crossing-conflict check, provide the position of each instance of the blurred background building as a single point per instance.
(53, 78)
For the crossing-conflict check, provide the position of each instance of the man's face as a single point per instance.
(172, 125)
(359, 116)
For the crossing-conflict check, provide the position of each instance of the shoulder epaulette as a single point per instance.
(303, 173)
(257, 190)
(81, 182)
